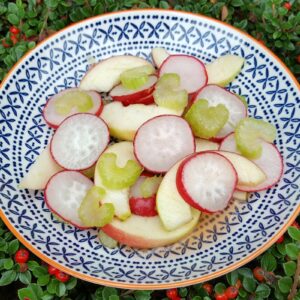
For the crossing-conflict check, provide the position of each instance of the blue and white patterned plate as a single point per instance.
(222, 242)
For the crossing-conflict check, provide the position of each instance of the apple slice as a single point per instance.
(205, 145)
(224, 69)
(249, 174)
(270, 162)
(40, 171)
(240, 196)
(159, 55)
(103, 76)
(124, 121)
(147, 232)
(173, 211)
(119, 198)
(126, 96)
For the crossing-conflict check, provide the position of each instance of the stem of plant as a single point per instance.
(296, 280)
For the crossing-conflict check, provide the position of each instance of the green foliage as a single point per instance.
(268, 21)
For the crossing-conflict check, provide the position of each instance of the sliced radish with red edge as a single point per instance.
(217, 95)
(79, 141)
(54, 118)
(191, 70)
(63, 195)
(126, 96)
(162, 141)
(270, 162)
(206, 181)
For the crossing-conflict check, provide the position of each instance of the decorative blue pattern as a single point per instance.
(220, 239)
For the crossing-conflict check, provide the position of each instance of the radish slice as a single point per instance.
(79, 141)
(64, 193)
(69, 102)
(206, 181)
(216, 95)
(270, 162)
(162, 141)
(191, 70)
(119, 93)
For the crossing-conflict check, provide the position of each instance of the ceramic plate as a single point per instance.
(221, 242)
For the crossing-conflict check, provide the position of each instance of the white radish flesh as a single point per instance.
(64, 193)
(159, 55)
(270, 162)
(162, 141)
(54, 119)
(79, 141)
(216, 95)
(206, 181)
(192, 71)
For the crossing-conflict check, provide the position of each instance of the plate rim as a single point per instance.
(141, 286)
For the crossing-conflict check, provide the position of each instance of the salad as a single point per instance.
(170, 143)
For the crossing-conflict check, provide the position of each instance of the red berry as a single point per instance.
(231, 292)
(287, 5)
(238, 284)
(221, 296)
(145, 207)
(21, 256)
(14, 39)
(23, 267)
(258, 273)
(172, 293)
(280, 240)
(5, 45)
(52, 270)
(14, 30)
(26, 298)
(295, 224)
(61, 276)
(298, 59)
(208, 288)
(176, 298)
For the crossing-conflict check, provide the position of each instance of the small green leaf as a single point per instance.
(285, 284)
(183, 292)
(32, 264)
(13, 19)
(33, 292)
(114, 297)
(292, 250)
(13, 246)
(289, 268)
(245, 272)
(43, 280)
(8, 277)
(237, 3)
(108, 291)
(197, 298)
(232, 277)
(8, 263)
(51, 287)
(39, 271)
(243, 293)
(268, 262)
(71, 283)
(220, 288)
(142, 295)
(60, 289)
(249, 284)
(263, 291)
(281, 249)
(294, 233)
(47, 296)
(25, 277)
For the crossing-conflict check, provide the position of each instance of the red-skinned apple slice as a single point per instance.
(64, 193)
(126, 96)
(79, 141)
(206, 181)
(69, 102)
(270, 162)
(154, 145)
(217, 95)
(191, 70)
(159, 55)
(139, 205)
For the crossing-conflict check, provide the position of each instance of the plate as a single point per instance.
(221, 242)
